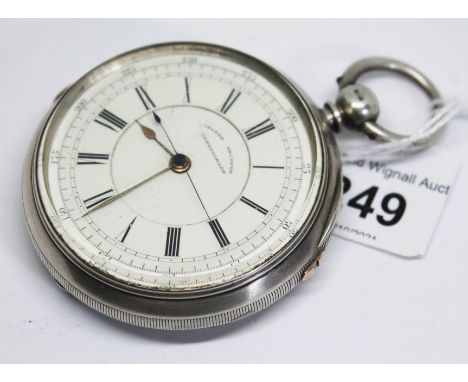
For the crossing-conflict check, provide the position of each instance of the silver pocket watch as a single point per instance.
(188, 185)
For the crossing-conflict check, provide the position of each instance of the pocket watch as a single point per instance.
(187, 185)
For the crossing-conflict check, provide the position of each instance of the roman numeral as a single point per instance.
(255, 206)
(218, 232)
(270, 167)
(145, 98)
(127, 230)
(233, 96)
(88, 158)
(187, 90)
(172, 241)
(97, 199)
(110, 120)
(261, 128)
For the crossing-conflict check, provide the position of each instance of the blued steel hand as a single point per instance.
(114, 197)
(151, 134)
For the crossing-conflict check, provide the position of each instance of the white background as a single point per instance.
(361, 306)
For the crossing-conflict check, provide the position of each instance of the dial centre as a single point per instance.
(180, 163)
(208, 147)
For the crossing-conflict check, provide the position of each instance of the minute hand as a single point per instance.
(122, 193)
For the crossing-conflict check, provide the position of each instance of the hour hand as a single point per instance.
(151, 134)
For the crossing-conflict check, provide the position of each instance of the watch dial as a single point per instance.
(179, 169)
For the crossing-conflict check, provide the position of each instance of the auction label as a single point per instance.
(396, 206)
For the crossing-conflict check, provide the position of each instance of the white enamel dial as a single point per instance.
(179, 171)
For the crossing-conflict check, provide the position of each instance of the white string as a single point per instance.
(420, 139)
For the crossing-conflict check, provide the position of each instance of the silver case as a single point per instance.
(194, 312)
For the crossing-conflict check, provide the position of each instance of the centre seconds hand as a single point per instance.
(159, 122)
